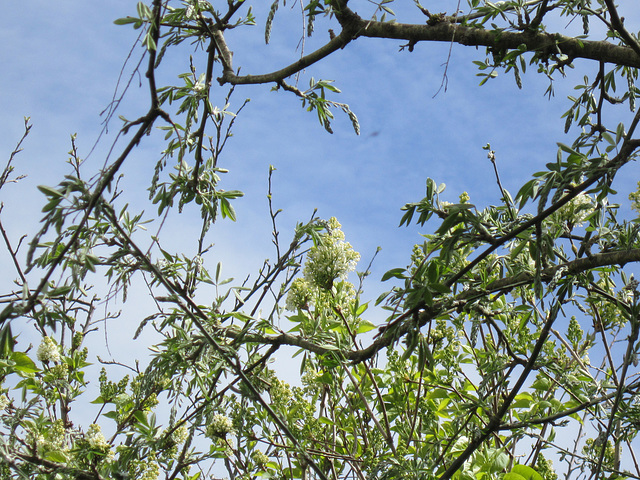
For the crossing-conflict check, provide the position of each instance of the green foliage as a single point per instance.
(484, 360)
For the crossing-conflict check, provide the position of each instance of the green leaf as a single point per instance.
(23, 364)
(439, 288)
(141, 417)
(144, 11)
(449, 222)
(7, 341)
(56, 456)
(365, 326)
(227, 210)
(525, 472)
(50, 192)
(394, 273)
(513, 476)
(522, 400)
(126, 20)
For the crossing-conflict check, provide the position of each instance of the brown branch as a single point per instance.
(616, 23)
(13, 253)
(533, 42)
(51, 467)
(626, 152)
(4, 176)
(429, 313)
(351, 24)
(398, 330)
(354, 26)
(565, 413)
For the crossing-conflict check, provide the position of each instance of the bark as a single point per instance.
(353, 26)
(541, 43)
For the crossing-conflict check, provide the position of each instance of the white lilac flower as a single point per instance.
(220, 426)
(122, 400)
(194, 7)
(332, 259)
(95, 438)
(299, 295)
(149, 468)
(280, 392)
(4, 401)
(260, 458)
(199, 87)
(180, 434)
(444, 205)
(48, 351)
(57, 435)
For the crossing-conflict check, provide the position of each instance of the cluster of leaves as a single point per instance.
(483, 360)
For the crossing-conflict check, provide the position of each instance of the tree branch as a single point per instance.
(351, 24)
(391, 333)
(354, 26)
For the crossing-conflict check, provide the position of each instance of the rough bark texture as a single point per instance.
(543, 43)
(353, 26)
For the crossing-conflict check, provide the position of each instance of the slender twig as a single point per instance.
(492, 157)
(8, 168)
(13, 253)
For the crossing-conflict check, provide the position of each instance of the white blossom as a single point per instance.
(299, 295)
(48, 351)
(95, 438)
(260, 458)
(575, 212)
(195, 7)
(4, 401)
(220, 426)
(180, 434)
(332, 259)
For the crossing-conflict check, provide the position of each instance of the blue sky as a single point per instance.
(61, 62)
(61, 66)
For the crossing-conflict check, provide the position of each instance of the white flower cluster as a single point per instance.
(180, 434)
(122, 400)
(4, 401)
(332, 259)
(220, 426)
(575, 212)
(280, 392)
(48, 351)
(299, 295)
(95, 438)
(199, 87)
(52, 438)
(260, 458)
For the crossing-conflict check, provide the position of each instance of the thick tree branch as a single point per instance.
(391, 333)
(616, 23)
(540, 42)
(354, 26)
(228, 75)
